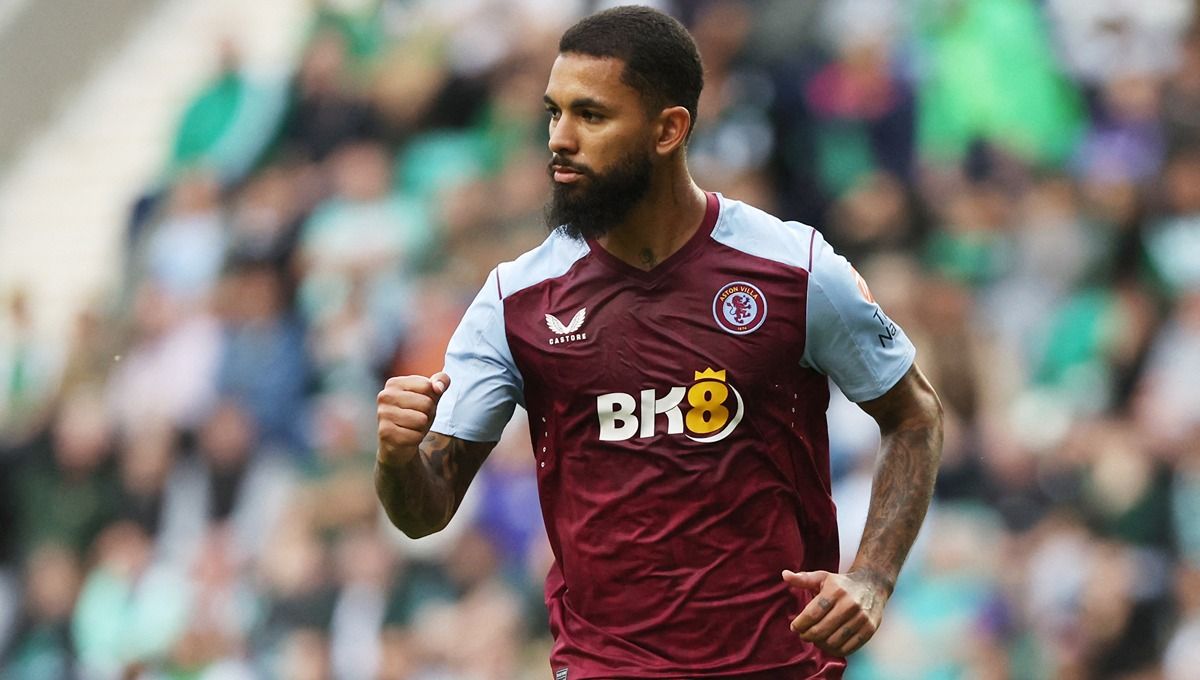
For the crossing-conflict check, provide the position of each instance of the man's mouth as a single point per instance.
(565, 173)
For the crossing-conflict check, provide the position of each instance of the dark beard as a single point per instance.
(592, 210)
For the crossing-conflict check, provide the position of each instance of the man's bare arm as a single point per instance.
(910, 425)
(420, 476)
(423, 493)
(847, 608)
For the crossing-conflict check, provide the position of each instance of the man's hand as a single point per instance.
(845, 612)
(406, 406)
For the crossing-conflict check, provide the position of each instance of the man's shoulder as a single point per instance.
(756, 232)
(553, 258)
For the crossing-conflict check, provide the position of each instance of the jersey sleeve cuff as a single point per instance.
(887, 381)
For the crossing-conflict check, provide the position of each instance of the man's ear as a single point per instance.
(674, 123)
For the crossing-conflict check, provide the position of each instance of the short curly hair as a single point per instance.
(661, 59)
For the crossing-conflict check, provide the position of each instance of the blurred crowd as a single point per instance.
(186, 482)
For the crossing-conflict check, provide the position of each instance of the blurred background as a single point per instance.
(223, 224)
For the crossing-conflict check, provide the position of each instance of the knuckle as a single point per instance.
(426, 405)
(404, 383)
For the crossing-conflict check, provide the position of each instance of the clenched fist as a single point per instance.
(405, 408)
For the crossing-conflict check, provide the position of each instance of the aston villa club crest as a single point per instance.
(740, 307)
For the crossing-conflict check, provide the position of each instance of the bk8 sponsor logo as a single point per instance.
(714, 409)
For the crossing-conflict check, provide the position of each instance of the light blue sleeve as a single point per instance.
(848, 337)
(485, 384)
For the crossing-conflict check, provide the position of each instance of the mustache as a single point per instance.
(565, 164)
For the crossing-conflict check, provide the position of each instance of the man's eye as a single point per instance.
(553, 113)
(590, 116)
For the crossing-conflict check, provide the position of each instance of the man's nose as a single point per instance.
(562, 138)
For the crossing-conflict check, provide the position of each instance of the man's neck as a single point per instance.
(659, 224)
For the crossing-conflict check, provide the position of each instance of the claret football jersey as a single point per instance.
(678, 423)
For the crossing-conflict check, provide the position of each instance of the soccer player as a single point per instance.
(673, 349)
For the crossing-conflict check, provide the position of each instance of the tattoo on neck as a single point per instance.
(648, 259)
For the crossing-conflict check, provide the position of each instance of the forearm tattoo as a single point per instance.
(421, 496)
(900, 495)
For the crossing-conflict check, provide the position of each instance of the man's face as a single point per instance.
(602, 143)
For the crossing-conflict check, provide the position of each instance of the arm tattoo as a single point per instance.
(421, 496)
(903, 485)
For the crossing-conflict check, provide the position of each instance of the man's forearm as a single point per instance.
(417, 501)
(900, 495)
(421, 495)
